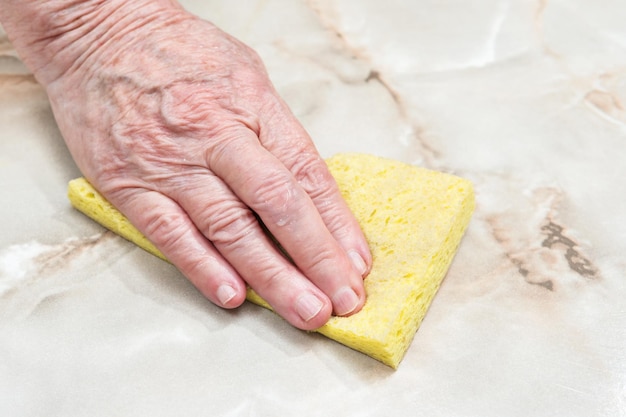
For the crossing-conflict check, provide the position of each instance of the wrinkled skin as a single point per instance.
(177, 124)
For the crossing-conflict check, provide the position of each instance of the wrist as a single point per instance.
(54, 36)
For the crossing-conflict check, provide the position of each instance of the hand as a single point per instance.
(178, 125)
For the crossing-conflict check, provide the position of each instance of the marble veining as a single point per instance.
(527, 98)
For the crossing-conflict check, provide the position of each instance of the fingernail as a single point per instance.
(308, 306)
(345, 301)
(225, 293)
(358, 262)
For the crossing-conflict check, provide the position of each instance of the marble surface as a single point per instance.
(525, 98)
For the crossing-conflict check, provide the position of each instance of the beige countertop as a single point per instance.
(525, 98)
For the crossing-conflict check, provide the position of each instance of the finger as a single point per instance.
(263, 183)
(285, 138)
(236, 233)
(170, 229)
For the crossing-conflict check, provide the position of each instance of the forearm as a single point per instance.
(53, 36)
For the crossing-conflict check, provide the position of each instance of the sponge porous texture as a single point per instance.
(413, 219)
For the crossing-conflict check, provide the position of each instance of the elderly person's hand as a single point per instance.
(177, 124)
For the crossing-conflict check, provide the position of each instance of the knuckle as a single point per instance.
(230, 226)
(270, 277)
(320, 260)
(226, 147)
(277, 199)
(313, 175)
(165, 230)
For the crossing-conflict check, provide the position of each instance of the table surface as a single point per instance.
(525, 98)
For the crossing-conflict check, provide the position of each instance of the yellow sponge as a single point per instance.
(413, 219)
